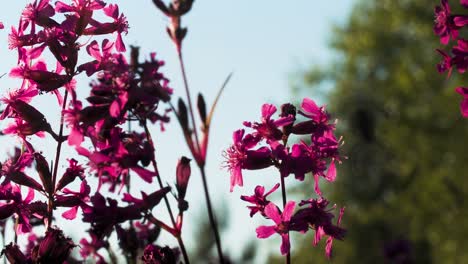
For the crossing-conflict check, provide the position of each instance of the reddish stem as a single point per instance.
(200, 162)
(50, 206)
(166, 201)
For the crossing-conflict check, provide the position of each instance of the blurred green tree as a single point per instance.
(404, 182)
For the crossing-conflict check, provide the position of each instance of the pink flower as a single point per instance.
(83, 12)
(259, 200)
(103, 60)
(38, 14)
(240, 156)
(23, 208)
(147, 201)
(329, 244)
(74, 170)
(120, 25)
(23, 94)
(319, 119)
(74, 200)
(282, 222)
(463, 91)
(444, 24)
(269, 128)
(18, 39)
(317, 216)
(91, 248)
(104, 216)
(45, 80)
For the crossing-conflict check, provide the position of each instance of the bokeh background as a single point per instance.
(371, 62)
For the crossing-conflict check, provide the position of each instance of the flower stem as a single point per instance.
(156, 170)
(182, 248)
(50, 206)
(166, 201)
(201, 166)
(214, 226)
(189, 99)
(283, 192)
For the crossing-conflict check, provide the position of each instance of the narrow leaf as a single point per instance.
(210, 115)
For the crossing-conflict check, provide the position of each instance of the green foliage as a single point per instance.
(404, 136)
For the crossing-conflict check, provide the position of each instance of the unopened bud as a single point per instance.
(44, 172)
(182, 174)
(14, 254)
(54, 248)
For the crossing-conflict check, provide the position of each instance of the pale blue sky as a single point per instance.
(261, 41)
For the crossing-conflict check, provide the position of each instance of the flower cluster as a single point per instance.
(123, 91)
(267, 146)
(85, 38)
(447, 27)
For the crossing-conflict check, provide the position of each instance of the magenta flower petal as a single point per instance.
(316, 185)
(75, 138)
(464, 104)
(288, 211)
(236, 177)
(464, 3)
(70, 214)
(319, 233)
(309, 106)
(119, 44)
(461, 21)
(29, 196)
(285, 245)
(265, 231)
(268, 110)
(284, 121)
(272, 212)
(328, 247)
(93, 50)
(145, 174)
(331, 173)
(237, 136)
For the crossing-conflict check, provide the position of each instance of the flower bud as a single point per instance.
(31, 115)
(14, 254)
(201, 105)
(182, 174)
(44, 173)
(54, 248)
(183, 116)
